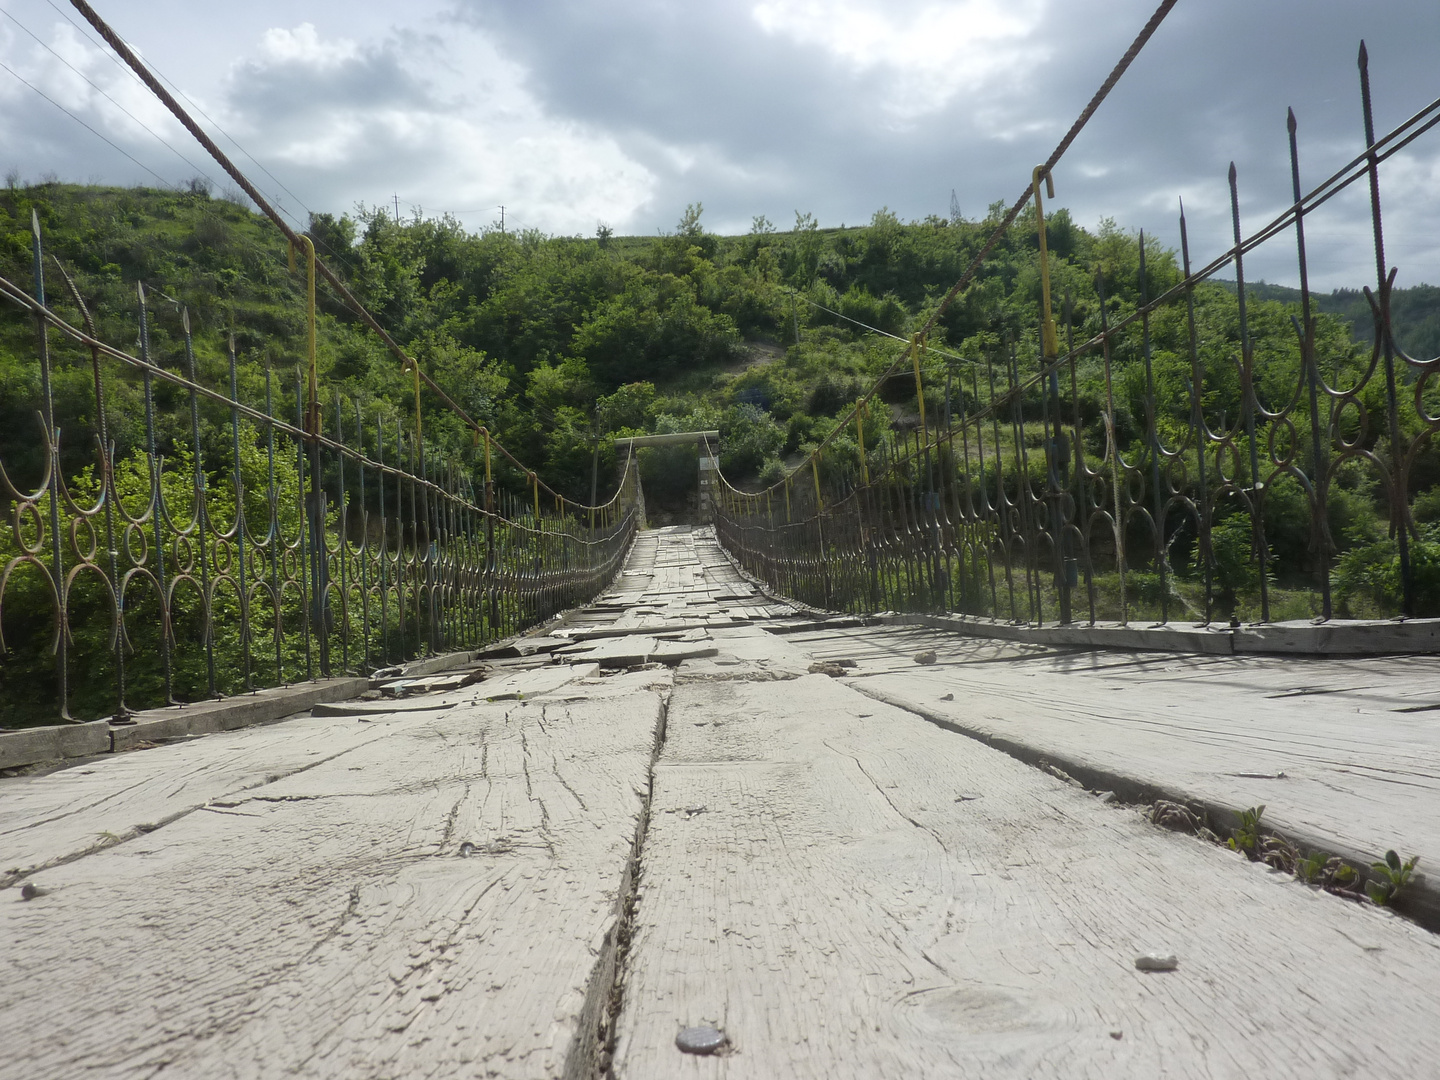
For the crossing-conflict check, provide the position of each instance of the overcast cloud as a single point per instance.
(574, 112)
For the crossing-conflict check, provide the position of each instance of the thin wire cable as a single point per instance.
(847, 318)
(86, 126)
(169, 185)
(877, 330)
(153, 285)
(1146, 32)
(87, 34)
(101, 90)
(116, 42)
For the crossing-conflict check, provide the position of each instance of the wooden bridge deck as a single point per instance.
(550, 872)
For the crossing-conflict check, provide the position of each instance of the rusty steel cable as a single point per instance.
(1224, 501)
(1141, 39)
(191, 125)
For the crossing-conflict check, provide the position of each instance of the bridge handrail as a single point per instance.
(918, 522)
(297, 241)
(277, 566)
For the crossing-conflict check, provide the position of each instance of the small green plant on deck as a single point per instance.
(1246, 838)
(1392, 876)
(1311, 868)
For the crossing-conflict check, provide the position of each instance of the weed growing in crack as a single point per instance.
(1318, 868)
(1246, 838)
(1391, 876)
(1279, 854)
(1340, 878)
(1311, 868)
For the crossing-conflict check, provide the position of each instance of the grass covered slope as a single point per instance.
(554, 342)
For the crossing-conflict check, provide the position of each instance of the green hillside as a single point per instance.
(551, 340)
(1414, 313)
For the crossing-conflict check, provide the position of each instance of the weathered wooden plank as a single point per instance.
(867, 895)
(880, 649)
(48, 819)
(428, 904)
(1325, 745)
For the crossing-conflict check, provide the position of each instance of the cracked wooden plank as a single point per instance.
(51, 818)
(860, 893)
(430, 903)
(1345, 765)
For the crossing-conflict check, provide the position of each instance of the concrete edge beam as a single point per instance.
(1357, 638)
(205, 717)
(34, 746)
(1336, 638)
(27, 746)
(1162, 639)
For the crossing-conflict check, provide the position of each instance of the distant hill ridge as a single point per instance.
(1414, 312)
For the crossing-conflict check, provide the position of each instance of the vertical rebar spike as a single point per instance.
(53, 481)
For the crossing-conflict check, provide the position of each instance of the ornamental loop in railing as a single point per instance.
(150, 578)
(1299, 483)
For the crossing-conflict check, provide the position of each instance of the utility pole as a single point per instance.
(502, 217)
(397, 207)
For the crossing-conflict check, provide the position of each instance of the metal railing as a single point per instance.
(332, 544)
(1242, 489)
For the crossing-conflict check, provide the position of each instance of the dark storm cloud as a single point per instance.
(1213, 87)
(763, 124)
(305, 77)
(337, 112)
(576, 111)
(723, 112)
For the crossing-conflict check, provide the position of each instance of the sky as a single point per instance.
(577, 113)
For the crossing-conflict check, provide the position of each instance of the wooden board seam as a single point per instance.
(1420, 902)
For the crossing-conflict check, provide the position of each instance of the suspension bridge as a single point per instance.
(375, 759)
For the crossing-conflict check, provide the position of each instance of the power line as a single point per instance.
(1156, 18)
(86, 126)
(161, 139)
(119, 45)
(163, 182)
(857, 322)
(877, 330)
(86, 33)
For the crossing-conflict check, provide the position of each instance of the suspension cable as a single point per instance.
(148, 78)
(1141, 39)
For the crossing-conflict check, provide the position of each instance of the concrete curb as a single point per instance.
(34, 746)
(1339, 637)
(30, 745)
(1335, 638)
(1162, 638)
(1420, 901)
(204, 717)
